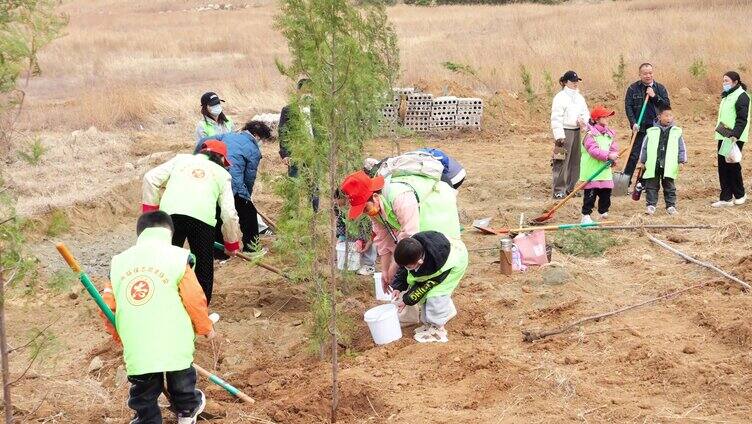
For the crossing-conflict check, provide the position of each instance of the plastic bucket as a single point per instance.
(383, 322)
(353, 257)
(378, 290)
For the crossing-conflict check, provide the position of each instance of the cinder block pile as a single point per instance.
(425, 114)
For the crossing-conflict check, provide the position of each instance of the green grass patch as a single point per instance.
(585, 243)
(62, 280)
(59, 224)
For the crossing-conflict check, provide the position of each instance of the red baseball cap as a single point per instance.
(218, 147)
(600, 111)
(359, 187)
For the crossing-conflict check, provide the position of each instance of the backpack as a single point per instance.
(410, 163)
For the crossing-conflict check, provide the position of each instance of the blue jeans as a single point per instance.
(145, 389)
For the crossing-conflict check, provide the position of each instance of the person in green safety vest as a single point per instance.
(400, 207)
(598, 147)
(432, 267)
(159, 308)
(193, 185)
(662, 152)
(213, 119)
(732, 127)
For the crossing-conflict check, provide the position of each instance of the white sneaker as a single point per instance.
(650, 210)
(671, 210)
(191, 418)
(586, 219)
(423, 328)
(366, 270)
(740, 201)
(604, 215)
(722, 204)
(432, 335)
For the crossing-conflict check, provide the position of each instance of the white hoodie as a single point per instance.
(567, 107)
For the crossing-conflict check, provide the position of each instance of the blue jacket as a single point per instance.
(244, 155)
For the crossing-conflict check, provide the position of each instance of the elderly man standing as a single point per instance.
(658, 99)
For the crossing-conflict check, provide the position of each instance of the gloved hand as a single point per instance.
(635, 128)
(232, 249)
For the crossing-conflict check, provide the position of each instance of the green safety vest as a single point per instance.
(150, 318)
(457, 262)
(194, 188)
(211, 128)
(671, 164)
(589, 164)
(437, 203)
(727, 114)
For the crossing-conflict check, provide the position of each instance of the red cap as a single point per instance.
(600, 111)
(359, 187)
(218, 147)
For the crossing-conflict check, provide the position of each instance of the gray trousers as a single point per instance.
(652, 185)
(566, 172)
(437, 310)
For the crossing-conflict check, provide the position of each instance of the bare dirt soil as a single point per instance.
(683, 360)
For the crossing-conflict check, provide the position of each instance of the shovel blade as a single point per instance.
(621, 183)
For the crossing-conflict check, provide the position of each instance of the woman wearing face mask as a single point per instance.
(569, 112)
(733, 125)
(213, 122)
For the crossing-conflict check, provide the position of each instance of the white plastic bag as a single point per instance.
(735, 155)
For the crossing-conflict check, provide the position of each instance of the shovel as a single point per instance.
(622, 181)
(504, 231)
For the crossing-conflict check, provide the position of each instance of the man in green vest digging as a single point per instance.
(431, 268)
(159, 308)
(662, 152)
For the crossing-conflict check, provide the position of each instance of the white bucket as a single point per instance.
(353, 257)
(378, 289)
(383, 322)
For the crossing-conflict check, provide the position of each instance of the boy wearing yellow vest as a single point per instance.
(432, 266)
(193, 185)
(159, 308)
(663, 150)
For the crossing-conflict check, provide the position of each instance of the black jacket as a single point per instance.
(636, 96)
(284, 118)
(436, 248)
(742, 114)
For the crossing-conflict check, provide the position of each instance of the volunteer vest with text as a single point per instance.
(194, 187)
(457, 262)
(150, 318)
(671, 165)
(727, 114)
(437, 203)
(589, 164)
(210, 127)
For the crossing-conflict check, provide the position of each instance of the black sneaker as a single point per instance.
(188, 417)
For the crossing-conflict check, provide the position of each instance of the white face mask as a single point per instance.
(727, 86)
(215, 110)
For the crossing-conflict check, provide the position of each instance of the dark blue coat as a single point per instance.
(244, 155)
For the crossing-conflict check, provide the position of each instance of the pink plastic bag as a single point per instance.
(532, 248)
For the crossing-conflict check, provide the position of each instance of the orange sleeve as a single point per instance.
(109, 299)
(194, 302)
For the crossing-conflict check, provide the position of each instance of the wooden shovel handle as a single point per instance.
(68, 256)
(269, 222)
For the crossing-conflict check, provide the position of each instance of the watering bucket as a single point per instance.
(378, 289)
(383, 322)
(353, 257)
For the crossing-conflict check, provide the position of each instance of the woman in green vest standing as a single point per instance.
(213, 120)
(732, 126)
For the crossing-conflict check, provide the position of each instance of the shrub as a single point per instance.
(34, 153)
(527, 83)
(698, 69)
(619, 76)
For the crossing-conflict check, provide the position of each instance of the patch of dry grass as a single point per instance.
(136, 61)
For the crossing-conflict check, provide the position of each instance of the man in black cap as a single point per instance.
(635, 97)
(569, 112)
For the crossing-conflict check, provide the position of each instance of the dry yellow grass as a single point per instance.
(136, 62)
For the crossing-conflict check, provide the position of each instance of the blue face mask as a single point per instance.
(727, 87)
